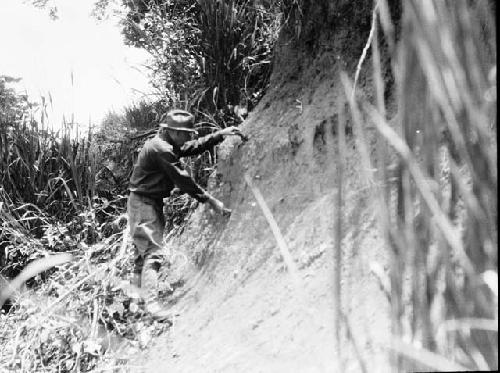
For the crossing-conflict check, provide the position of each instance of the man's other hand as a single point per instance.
(218, 206)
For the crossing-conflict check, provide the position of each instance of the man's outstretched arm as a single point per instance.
(198, 146)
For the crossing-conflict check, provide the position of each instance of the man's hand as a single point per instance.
(218, 206)
(233, 131)
(229, 131)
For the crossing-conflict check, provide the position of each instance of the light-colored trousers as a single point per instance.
(146, 224)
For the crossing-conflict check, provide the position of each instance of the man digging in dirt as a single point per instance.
(155, 174)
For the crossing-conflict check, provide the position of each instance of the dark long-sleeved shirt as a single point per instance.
(158, 168)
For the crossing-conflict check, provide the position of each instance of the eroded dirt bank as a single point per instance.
(238, 310)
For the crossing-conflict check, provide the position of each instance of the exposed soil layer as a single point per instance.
(238, 309)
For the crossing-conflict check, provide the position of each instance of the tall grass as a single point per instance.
(141, 115)
(46, 168)
(47, 179)
(236, 39)
(439, 202)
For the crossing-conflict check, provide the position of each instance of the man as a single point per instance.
(156, 172)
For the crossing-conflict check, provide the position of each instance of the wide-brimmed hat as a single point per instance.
(179, 120)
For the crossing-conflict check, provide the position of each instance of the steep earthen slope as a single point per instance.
(238, 309)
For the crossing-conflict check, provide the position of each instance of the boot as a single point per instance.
(149, 287)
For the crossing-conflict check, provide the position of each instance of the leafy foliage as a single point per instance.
(207, 54)
(142, 115)
(50, 5)
(12, 105)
